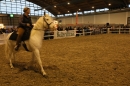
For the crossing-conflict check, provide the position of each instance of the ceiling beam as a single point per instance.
(75, 5)
(46, 5)
(125, 3)
(60, 7)
(106, 3)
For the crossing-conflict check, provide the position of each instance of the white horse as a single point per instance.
(35, 41)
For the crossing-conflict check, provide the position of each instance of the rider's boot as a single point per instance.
(18, 43)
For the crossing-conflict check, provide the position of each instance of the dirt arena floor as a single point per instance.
(97, 60)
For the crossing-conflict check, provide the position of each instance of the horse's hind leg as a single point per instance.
(10, 59)
(37, 55)
(9, 53)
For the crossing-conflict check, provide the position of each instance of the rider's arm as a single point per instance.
(31, 22)
(21, 21)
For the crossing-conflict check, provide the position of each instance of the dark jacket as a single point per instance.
(23, 22)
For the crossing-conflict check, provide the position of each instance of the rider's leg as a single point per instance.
(18, 41)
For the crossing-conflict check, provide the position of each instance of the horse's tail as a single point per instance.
(6, 48)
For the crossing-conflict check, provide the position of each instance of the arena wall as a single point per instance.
(112, 18)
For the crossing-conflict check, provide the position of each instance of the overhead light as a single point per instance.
(44, 9)
(79, 9)
(55, 6)
(109, 4)
(92, 6)
(68, 11)
(68, 3)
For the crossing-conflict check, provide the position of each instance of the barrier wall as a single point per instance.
(64, 34)
(112, 18)
(74, 33)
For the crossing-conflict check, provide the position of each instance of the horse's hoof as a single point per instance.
(12, 67)
(26, 67)
(45, 76)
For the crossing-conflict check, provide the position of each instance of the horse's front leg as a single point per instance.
(37, 55)
(11, 65)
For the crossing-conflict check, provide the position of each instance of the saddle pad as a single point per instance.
(14, 35)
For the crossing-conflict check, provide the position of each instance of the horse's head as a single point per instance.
(49, 23)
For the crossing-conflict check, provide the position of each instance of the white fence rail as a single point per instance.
(119, 30)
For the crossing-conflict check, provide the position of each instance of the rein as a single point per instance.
(47, 23)
(38, 29)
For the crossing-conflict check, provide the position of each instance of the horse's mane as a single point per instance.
(39, 23)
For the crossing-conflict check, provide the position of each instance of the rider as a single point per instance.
(25, 24)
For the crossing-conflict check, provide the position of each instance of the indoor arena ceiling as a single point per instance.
(57, 7)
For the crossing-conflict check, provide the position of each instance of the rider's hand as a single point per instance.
(28, 24)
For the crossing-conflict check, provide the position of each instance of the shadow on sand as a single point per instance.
(23, 66)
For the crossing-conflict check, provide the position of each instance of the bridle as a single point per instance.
(47, 23)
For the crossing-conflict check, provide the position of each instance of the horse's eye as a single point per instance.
(47, 19)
